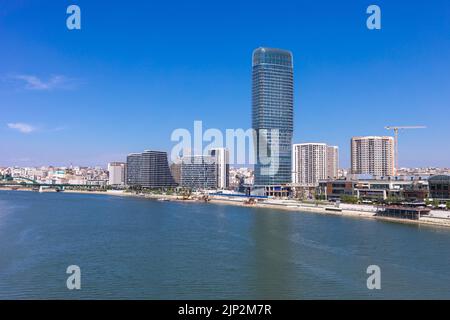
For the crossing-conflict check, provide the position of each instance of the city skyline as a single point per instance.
(90, 103)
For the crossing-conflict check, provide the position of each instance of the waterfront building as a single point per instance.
(149, 169)
(332, 162)
(309, 162)
(221, 158)
(116, 173)
(272, 115)
(312, 162)
(133, 169)
(370, 188)
(403, 212)
(440, 187)
(372, 155)
(175, 170)
(199, 172)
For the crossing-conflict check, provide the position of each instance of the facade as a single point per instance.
(149, 169)
(332, 162)
(373, 155)
(221, 156)
(402, 212)
(439, 187)
(175, 170)
(272, 115)
(133, 169)
(116, 172)
(374, 189)
(198, 172)
(312, 162)
(309, 161)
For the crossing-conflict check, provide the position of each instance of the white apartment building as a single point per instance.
(116, 172)
(312, 162)
(373, 155)
(222, 160)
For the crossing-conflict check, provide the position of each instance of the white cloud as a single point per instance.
(33, 82)
(21, 127)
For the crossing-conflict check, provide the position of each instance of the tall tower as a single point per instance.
(272, 115)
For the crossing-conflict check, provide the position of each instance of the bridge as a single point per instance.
(19, 181)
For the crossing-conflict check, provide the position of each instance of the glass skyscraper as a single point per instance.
(273, 115)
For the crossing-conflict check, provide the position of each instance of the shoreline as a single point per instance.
(296, 207)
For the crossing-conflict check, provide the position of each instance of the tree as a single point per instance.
(435, 203)
(349, 199)
(448, 205)
(393, 199)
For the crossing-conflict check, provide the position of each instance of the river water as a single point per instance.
(135, 248)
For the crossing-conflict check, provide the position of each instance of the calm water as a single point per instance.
(136, 248)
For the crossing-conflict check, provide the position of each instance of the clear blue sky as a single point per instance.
(137, 70)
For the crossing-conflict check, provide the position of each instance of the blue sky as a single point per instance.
(137, 70)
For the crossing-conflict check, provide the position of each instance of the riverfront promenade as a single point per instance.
(436, 217)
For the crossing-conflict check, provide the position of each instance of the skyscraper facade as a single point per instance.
(272, 115)
(373, 155)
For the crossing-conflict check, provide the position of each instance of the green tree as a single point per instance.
(349, 199)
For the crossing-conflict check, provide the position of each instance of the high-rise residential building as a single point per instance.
(133, 169)
(309, 162)
(373, 155)
(272, 115)
(149, 169)
(312, 162)
(175, 169)
(199, 172)
(221, 156)
(116, 172)
(332, 162)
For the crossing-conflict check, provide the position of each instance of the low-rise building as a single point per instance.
(369, 188)
(439, 187)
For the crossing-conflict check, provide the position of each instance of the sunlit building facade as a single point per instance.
(272, 115)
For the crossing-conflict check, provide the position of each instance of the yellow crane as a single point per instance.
(396, 129)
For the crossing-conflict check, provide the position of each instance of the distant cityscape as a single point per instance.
(282, 168)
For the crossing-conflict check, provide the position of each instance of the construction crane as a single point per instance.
(396, 129)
